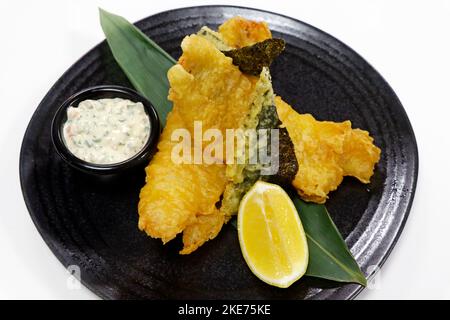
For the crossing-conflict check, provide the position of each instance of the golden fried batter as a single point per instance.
(204, 228)
(207, 87)
(238, 32)
(326, 152)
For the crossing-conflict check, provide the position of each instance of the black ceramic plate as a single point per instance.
(93, 223)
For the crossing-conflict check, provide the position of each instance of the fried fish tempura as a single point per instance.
(175, 193)
(207, 87)
(238, 32)
(326, 152)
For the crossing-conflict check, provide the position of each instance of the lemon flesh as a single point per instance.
(271, 235)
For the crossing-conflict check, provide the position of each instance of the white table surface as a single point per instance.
(408, 42)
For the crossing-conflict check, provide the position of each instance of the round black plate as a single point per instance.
(93, 223)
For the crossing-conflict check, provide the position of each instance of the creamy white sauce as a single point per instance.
(106, 131)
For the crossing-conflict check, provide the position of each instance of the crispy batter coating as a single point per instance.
(175, 193)
(326, 152)
(238, 32)
(204, 228)
(207, 87)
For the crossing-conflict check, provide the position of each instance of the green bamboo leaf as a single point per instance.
(329, 256)
(143, 61)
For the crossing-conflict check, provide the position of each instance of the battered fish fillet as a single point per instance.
(326, 152)
(238, 32)
(207, 87)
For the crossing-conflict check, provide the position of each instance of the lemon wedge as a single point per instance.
(271, 235)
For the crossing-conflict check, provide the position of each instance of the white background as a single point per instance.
(408, 42)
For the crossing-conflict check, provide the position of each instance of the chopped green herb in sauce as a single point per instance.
(106, 131)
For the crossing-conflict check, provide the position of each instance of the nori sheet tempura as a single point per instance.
(252, 59)
(288, 165)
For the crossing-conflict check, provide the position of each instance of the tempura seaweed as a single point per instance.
(252, 59)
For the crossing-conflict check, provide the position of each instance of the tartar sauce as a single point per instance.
(106, 131)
